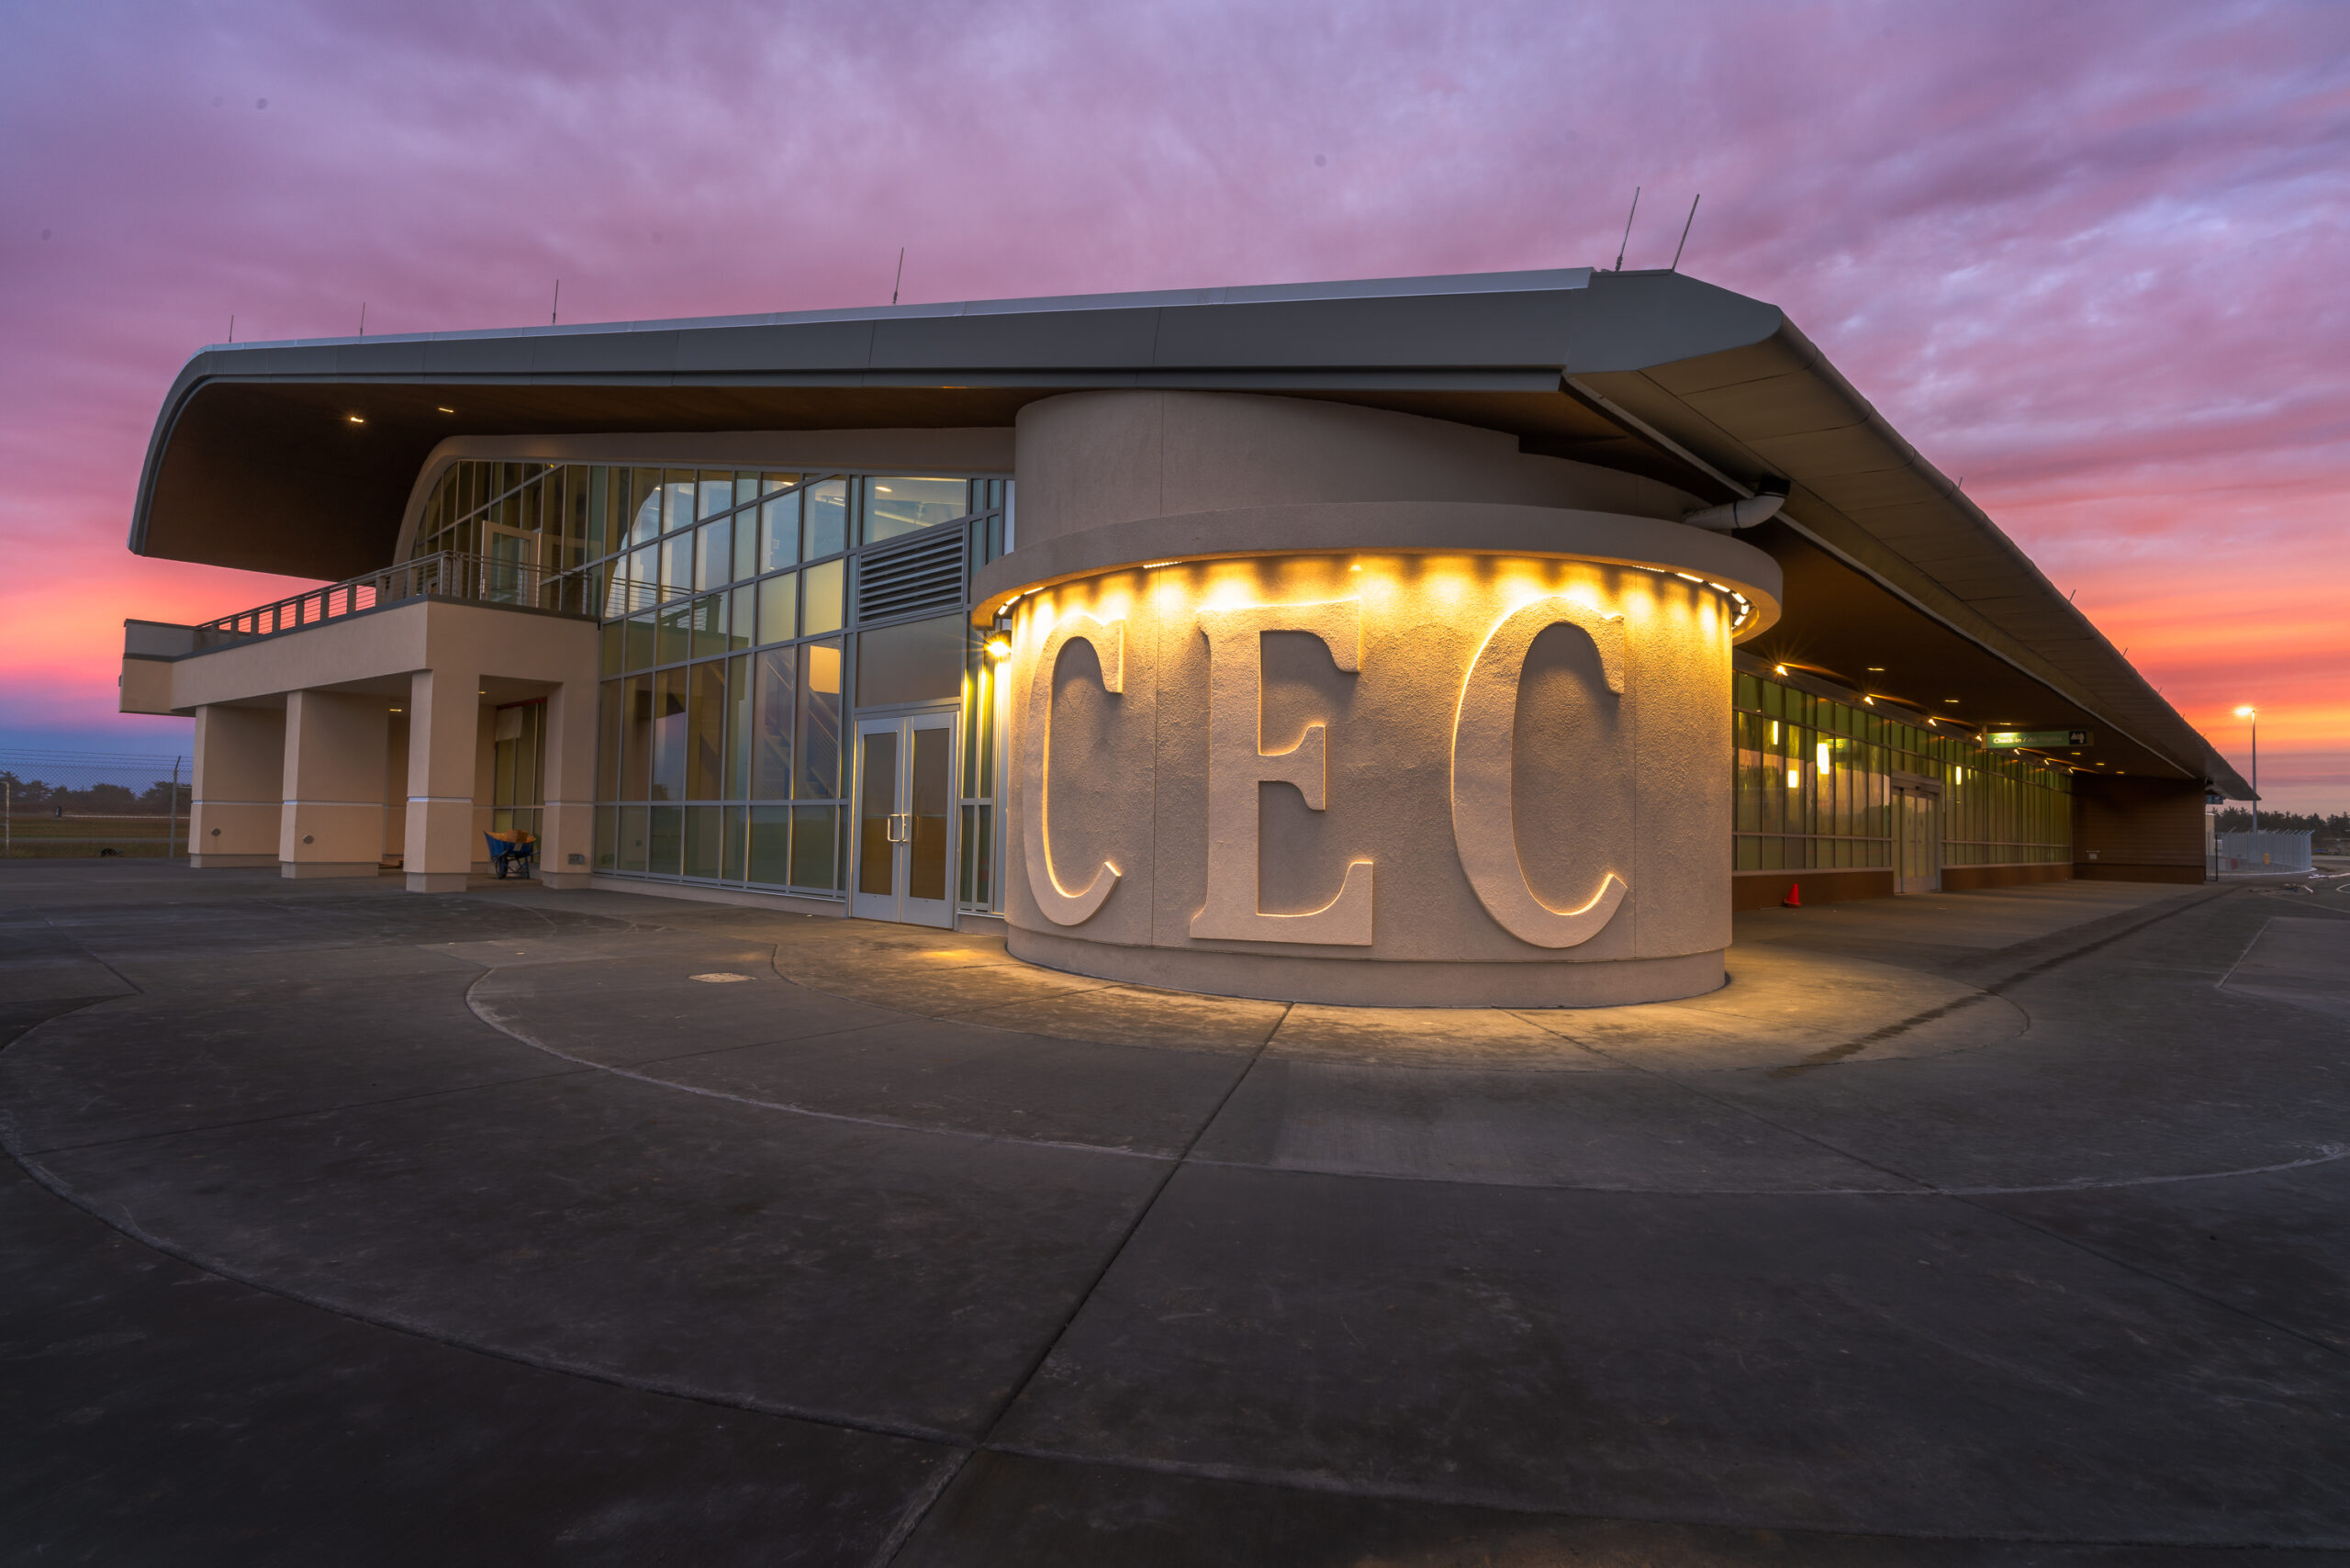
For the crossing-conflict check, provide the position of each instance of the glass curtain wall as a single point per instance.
(729, 604)
(1814, 788)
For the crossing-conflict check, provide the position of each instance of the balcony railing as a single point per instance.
(483, 579)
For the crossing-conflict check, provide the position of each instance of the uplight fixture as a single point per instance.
(998, 648)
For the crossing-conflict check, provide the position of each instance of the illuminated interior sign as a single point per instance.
(2009, 739)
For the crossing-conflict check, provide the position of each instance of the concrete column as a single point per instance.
(569, 788)
(396, 784)
(238, 789)
(443, 743)
(333, 820)
(485, 784)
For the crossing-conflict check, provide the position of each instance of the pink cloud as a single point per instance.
(2086, 256)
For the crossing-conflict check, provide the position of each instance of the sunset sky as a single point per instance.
(2088, 257)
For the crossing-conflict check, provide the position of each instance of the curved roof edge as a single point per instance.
(275, 421)
(1860, 492)
(299, 457)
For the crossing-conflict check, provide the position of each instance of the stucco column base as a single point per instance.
(565, 878)
(300, 868)
(443, 830)
(230, 862)
(1342, 982)
(436, 881)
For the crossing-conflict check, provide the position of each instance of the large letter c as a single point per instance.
(1484, 812)
(1058, 904)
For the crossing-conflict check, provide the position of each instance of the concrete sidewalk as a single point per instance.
(519, 1225)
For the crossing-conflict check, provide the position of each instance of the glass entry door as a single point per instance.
(1917, 840)
(905, 820)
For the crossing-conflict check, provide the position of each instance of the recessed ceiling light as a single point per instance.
(1949, 698)
(448, 410)
(1876, 669)
(354, 419)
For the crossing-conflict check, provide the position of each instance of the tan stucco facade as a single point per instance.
(1372, 744)
(331, 749)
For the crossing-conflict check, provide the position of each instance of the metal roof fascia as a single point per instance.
(2085, 685)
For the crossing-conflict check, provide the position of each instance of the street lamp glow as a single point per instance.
(2244, 712)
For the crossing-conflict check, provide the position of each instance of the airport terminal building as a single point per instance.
(1440, 641)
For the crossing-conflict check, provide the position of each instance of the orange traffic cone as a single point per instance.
(1795, 897)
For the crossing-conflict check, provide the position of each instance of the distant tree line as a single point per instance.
(94, 799)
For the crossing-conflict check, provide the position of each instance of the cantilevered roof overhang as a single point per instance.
(256, 460)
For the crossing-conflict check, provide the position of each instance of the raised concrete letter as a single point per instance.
(1058, 904)
(1484, 811)
(1238, 763)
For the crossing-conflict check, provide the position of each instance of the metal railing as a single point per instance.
(482, 579)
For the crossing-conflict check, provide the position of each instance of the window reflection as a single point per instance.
(645, 486)
(725, 598)
(771, 745)
(894, 506)
(717, 492)
(714, 554)
(825, 508)
(822, 608)
(820, 720)
(671, 735)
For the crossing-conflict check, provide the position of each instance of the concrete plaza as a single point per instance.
(518, 1226)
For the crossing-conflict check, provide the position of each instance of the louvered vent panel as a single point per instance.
(920, 579)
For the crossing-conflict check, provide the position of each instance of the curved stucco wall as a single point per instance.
(1252, 777)
(1093, 458)
(1422, 772)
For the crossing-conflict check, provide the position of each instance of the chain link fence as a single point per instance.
(60, 805)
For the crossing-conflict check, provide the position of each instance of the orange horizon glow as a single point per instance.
(2085, 258)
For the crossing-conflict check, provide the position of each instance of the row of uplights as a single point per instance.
(999, 646)
(1745, 609)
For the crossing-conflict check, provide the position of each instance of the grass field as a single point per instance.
(44, 837)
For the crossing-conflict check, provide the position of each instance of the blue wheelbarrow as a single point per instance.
(505, 855)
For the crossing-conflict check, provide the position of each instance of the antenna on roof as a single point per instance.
(232, 326)
(900, 277)
(1684, 231)
(362, 318)
(557, 307)
(1628, 228)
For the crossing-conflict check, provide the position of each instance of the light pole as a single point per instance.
(2248, 712)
